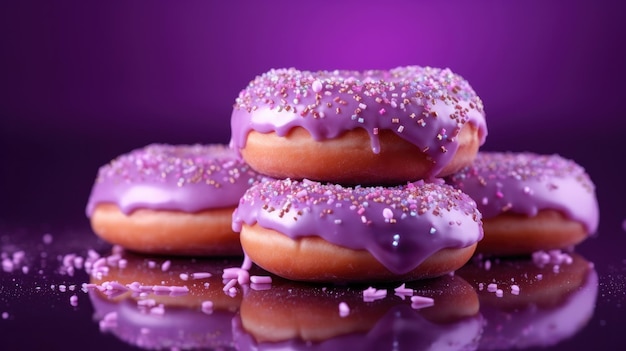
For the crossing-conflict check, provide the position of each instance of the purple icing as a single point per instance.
(526, 183)
(188, 178)
(425, 106)
(400, 226)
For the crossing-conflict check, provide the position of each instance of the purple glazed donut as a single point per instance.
(306, 230)
(370, 128)
(529, 202)
(170, 199)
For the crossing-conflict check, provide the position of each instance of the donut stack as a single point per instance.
(357, 161)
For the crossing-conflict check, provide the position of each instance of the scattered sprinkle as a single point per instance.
(207, 307)
(344, 309)
(402, 291)
(418, 302)
(372, 294)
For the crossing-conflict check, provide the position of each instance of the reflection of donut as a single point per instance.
(295, 316)
(529, 202)
(137, 302)
(538, 305)
(169, 199)
(316, 232)
(371, 127)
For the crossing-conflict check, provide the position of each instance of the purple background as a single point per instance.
(82, 82)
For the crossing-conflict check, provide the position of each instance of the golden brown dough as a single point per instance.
(314, 259)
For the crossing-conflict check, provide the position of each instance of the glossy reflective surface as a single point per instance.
(83, 83)
(57, 285)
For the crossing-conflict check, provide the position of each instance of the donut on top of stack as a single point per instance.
(372, 127)
(350, 152)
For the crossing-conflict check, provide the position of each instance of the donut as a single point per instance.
(370, 127)
(146, 302)
(311, 231)
(298, 316)
(531, 303)
(170, 199)
(529, 201)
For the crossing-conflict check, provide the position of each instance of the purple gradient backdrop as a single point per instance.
(83, 81)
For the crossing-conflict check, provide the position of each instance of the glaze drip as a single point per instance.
(423, 105)
(526, 183)
(187, 178)
(400, 226)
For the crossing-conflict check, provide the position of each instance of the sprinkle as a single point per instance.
(387, 213)
(146, 303)
(243, 277)
(515, 289)
(201, 275)
(344, 309)
(316, 86)
(396, 240)
(492, 287)
(260, 286)
(256, 279)
(166, 265)
(158, 310)
(184, 276)
(499, 293)
(231, 283)
(418, 302)
(207, 307)
(108, 322)
(178, 290)
(371, 294)
(160, 288)
(7, 265)
(402, 291)
(230, 273)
